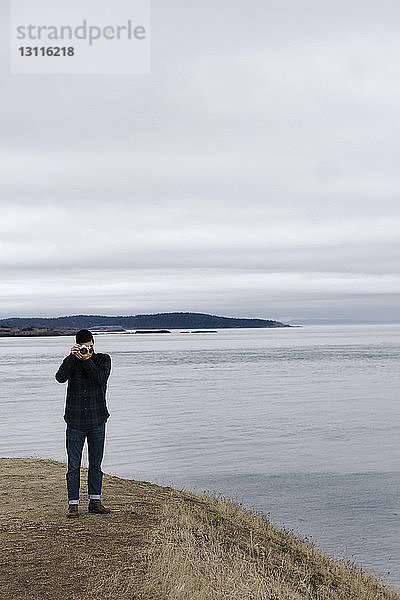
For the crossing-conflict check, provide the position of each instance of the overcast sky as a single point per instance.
(254, 172)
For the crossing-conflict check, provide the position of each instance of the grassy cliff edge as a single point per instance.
(158, 543)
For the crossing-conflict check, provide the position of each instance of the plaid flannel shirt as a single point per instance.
(85, 405)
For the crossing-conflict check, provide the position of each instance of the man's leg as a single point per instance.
(95, 437)
(75, 439)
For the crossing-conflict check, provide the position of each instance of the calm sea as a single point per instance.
(298, 423)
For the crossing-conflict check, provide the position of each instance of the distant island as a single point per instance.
(35, 331)
(175, 320)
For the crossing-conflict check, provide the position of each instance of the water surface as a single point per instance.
(301, 423)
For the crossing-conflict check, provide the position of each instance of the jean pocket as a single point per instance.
(75, 434)
(99, 428)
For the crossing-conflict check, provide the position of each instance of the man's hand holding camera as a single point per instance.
(82, 351)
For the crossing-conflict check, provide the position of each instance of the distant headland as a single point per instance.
(67, 325)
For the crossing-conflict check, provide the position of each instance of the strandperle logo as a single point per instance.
(71, 36)
(84, 31)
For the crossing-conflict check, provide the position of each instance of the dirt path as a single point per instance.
(45, 555)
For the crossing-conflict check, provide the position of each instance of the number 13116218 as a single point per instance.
(47, 51)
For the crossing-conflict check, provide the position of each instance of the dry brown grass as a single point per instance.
(158, 543)
(211, 548)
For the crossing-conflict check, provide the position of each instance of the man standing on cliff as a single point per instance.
(85, 414)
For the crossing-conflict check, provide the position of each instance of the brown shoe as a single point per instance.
(73, 510)
(96, 507)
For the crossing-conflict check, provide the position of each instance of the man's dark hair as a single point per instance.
(84, 335)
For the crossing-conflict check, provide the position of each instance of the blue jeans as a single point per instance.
(75, 439)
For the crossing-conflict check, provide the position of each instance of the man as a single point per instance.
(85, 414)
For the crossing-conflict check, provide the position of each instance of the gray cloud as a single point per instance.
(254, 170)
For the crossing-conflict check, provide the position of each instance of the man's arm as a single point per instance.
(101, 372)
(66, 368)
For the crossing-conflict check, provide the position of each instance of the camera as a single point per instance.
(84, 349)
